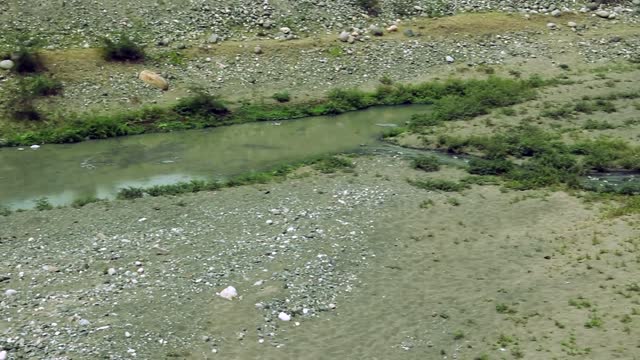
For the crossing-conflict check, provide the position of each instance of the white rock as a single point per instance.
(127, 334)
(269, 222)
(84, 322)
(572, 24)
(229, 293)
(284, 316)
(112, 271)
(141, 271)
(603, 14)
(449, 59)
(556, 13)
(6, 64)
(10, 292)
(285, 30)
(3, 355)
(552, 26)
(35, 147)
(392, 28)
(344, 36)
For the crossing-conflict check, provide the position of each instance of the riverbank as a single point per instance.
(479, 44)
(423, 271)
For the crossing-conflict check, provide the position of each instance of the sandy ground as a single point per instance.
(490, 275)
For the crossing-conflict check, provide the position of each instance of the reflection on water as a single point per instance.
(63, 173)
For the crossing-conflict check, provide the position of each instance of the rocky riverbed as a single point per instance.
(322, 264)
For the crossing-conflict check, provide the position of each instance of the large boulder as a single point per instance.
(154, 79)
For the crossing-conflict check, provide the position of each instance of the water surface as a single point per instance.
(100, 168)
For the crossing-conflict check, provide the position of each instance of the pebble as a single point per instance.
(449, 59)
(228, 293)
(572, 24)
(3, 355)
(112, 271)
(603, 14)
(6, 64)
(35, 147)
(84, 322)
(10, 292)
(284, 316)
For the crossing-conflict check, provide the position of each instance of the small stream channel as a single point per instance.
(63, 173)
(100, 168)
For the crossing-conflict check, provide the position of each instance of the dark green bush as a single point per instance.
(27, 60)
(282, 96)
(426, 163)
(122, 49)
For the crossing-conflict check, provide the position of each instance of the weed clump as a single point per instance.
(372, 7)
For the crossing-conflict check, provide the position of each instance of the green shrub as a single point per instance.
(439, 185)
(598, 125)
(282, 96)
(43, 204)
(44, 86)
(122, 49)
(130, 193)
(425, 119)
(426, 163)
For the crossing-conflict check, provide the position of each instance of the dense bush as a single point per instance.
(122, 49)
(332, 164)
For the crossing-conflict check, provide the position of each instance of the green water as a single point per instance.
(63, 173)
